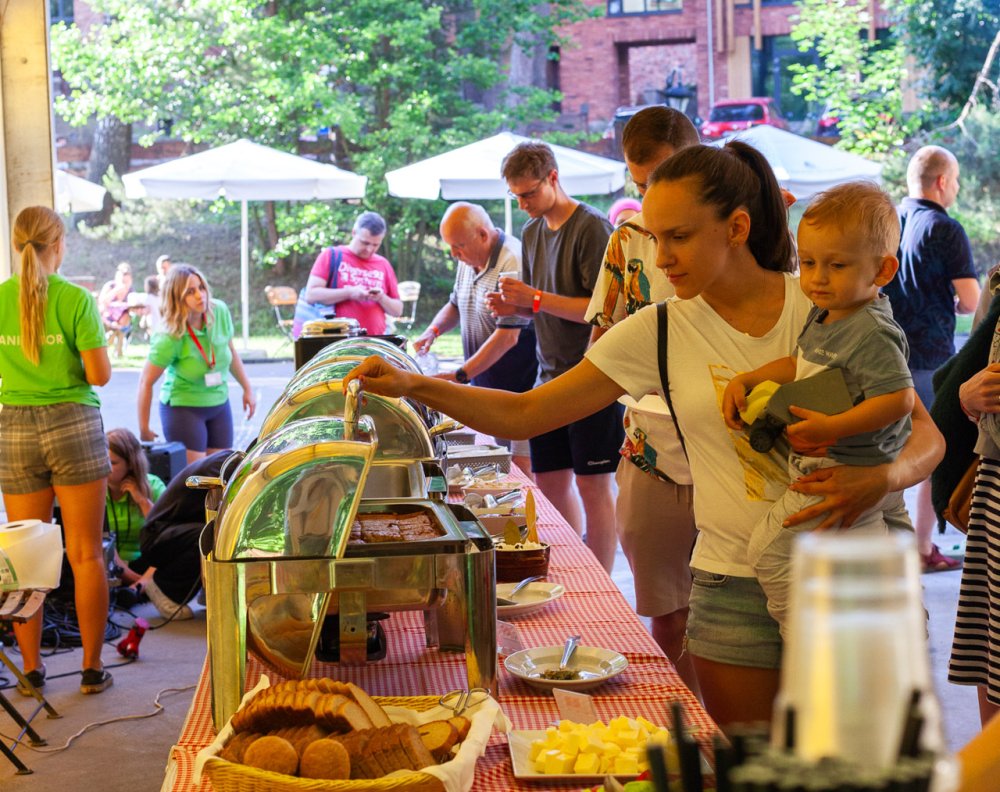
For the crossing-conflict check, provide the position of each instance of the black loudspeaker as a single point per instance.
(166, 460)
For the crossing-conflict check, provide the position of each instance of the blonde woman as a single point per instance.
(196, 351)
(52, 442)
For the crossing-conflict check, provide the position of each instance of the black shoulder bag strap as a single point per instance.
(336, 256)
(661, 359)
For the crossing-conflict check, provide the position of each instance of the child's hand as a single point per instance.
(130, 487)
(734, 401)
(813, 431)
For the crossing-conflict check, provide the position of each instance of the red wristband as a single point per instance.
(436, 330)
(536, 302)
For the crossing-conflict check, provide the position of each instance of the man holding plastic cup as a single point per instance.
(562, 247)
(498, 352)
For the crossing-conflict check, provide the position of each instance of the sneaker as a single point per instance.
(167, 608)
(37, 680)
(94, 680)
(936, 561)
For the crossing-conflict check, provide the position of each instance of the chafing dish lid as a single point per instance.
(402, 433)
(296, 493)
(362, 347)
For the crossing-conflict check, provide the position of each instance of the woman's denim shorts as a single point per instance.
(729, 622)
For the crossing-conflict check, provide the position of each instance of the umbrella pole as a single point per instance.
(245, 271)
(508, 220)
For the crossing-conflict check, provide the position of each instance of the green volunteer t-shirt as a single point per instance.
(186, 367)
(72, 325)
(126, 520)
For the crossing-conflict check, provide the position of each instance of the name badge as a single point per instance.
(213, 378)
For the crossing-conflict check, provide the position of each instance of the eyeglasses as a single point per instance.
(529, 194)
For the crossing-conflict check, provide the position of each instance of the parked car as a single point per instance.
(733, 115)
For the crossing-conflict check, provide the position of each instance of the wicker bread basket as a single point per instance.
(231, 777)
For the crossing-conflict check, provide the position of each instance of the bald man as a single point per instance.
(937, 278)
(499, 352)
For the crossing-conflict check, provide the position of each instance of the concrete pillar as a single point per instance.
(26, 159)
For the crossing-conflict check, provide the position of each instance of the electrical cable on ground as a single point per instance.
(157, 709)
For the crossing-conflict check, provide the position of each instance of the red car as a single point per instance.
(734, 115)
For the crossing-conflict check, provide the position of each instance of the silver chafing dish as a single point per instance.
(282, 558)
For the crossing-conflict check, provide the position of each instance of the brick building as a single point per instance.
(720, 48)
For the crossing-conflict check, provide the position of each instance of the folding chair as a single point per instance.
(19, 606)
(283, 297)
(409, 293)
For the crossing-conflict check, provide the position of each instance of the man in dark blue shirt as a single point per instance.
(936, 279)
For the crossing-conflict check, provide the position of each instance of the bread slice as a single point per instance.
(354, 716)
(439, 737)
(416, 752)
(374, 712)
(462, 726)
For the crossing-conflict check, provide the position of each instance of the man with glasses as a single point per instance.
(562, 247)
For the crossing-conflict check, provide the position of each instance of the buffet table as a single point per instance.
(592, 606)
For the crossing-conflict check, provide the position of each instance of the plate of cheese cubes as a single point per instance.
(586, 753)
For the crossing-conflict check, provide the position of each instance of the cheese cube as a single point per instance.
(537, 746)
(587, 764)
(626, 764)
(628, 738)
(557, 763)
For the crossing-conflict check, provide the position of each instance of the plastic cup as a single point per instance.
(856, 648)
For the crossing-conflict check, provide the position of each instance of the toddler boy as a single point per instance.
(847, 240)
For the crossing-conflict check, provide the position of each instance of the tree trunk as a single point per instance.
(112, 148)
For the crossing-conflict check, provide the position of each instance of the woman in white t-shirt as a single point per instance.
(722, 239)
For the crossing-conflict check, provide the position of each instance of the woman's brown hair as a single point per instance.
(735, 176)
(174, 311)
(36, 228)
(125, 445)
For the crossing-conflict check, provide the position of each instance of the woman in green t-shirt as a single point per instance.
(52, 444)
(196, 351)
(132, 490)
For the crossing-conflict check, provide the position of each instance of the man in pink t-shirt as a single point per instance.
(365, 287)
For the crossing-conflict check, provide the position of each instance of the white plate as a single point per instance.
(495, 524)
(520, 742)
(596, 666)
(531, 598)
(520, 756)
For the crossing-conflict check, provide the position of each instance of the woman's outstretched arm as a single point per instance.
(581, 391)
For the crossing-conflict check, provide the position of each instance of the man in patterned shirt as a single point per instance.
(499, 352)
(653, 513)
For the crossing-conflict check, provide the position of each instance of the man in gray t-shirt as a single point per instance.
(562, 246)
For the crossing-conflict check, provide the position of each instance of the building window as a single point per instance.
(60, 11)
(623, 7)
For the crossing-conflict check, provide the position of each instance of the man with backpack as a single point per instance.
(354, 280)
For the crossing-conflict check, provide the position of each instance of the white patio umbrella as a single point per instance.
(473, 172)
(803, 166)
(74, 194)
(244, 171)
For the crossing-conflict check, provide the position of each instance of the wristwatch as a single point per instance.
(461, 376)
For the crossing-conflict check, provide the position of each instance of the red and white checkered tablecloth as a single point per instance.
(592, 606)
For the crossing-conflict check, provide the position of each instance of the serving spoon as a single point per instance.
(509, 599)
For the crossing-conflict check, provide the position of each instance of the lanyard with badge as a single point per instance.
(212, 377)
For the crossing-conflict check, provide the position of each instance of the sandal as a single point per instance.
(94, 680)
(936, 561)
(37, 680)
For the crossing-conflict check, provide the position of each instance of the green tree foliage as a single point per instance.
(856, 79)
(949, 39)
(394, 82)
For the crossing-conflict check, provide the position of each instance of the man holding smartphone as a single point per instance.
(355, 280)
